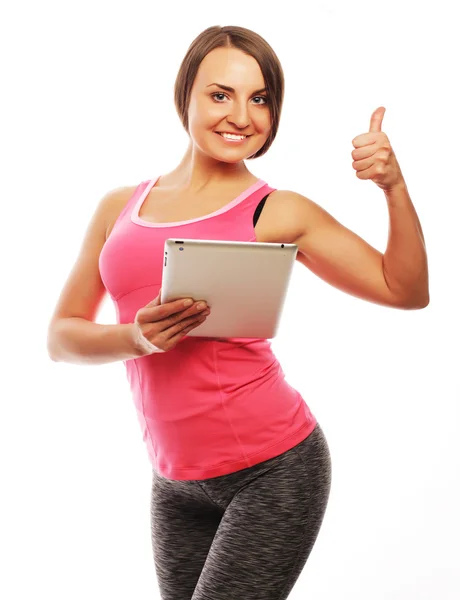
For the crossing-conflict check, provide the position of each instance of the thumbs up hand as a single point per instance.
(373, 157)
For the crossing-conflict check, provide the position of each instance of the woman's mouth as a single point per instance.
(232, 139)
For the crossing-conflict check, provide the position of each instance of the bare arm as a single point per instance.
(79, 341)
(345, 260)
(73, 334)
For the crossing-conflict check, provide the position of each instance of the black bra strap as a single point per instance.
(259, 210)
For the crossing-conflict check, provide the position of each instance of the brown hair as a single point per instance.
(250, 43)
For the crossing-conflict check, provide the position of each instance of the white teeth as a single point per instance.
(233, 137)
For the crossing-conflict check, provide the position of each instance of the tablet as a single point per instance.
(244, 283)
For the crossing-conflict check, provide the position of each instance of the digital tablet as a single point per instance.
(244, 283)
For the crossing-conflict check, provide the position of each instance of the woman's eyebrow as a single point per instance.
(230, 89)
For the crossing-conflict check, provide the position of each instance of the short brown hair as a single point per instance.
(248, 42)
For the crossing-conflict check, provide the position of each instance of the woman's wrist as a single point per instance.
(142, 344)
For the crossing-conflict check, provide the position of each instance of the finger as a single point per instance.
(376, 119)
(192, 310)
(156, 301)
(183, 331)
(187, 316)
(158, 312)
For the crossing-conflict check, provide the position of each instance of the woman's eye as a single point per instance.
(264, 98)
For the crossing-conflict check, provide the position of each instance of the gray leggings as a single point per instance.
(246, 535)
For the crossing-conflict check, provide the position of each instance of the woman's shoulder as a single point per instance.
(115, 201)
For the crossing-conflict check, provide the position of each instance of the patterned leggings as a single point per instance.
(246, 535)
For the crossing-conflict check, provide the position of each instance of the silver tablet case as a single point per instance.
(244, 283)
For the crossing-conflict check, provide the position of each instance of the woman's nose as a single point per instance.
(239, 117)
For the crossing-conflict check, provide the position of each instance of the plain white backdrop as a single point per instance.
(87, 106)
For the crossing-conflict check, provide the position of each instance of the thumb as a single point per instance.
(156, 301)
(376, 119)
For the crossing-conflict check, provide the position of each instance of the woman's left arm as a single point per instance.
(405, 262)
(397, 278)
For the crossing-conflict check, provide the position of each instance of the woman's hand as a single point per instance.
(164, 325)
(374, 158)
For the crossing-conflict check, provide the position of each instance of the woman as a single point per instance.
(241, 467)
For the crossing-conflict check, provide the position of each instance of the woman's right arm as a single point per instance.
(79, 341)
(73, 335)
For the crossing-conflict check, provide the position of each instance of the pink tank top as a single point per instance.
(210, 406)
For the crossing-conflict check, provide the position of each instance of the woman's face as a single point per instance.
(214, 109)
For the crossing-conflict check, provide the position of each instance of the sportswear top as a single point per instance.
(209, 406)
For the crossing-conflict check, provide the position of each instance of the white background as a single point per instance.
(87, 106)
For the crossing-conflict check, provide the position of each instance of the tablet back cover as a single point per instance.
(244, 283)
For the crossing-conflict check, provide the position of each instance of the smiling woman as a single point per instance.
(244, 66)
(241, 467)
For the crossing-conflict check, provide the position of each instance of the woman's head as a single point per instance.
(240, 59)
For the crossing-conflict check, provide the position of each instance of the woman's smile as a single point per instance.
(232, 139)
